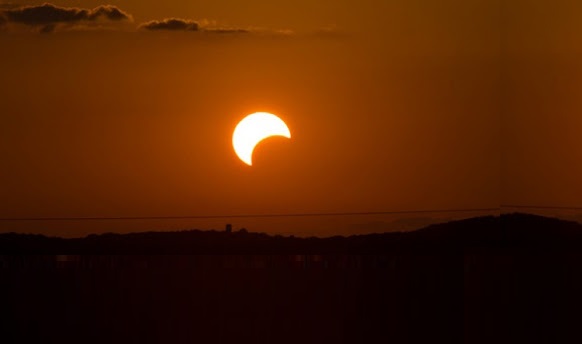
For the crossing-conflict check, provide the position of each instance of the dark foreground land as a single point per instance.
(510, 279)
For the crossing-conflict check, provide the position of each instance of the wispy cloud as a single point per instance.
(227, 30)
(205, 26)
(47, 18)
(171, 24)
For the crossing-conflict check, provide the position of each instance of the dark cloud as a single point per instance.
(176, 24)
(48, 16)
(3, 20)
(173, 24)
(110, 12)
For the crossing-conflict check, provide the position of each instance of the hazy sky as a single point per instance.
(542, 113)
(392, 105)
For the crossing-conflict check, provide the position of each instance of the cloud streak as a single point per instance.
(177, 24)
(227, 30)
(171, 24)
(48, 16)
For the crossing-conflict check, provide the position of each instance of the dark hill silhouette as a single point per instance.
(515, 278)
(507, 231)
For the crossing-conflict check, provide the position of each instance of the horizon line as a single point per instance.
(193, 217)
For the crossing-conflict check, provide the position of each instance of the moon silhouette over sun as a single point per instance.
(253, 129)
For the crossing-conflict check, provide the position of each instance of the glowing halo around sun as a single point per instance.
(253, 129)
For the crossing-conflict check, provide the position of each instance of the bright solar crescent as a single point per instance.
(253, 129)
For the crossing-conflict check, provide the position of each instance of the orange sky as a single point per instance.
(392, 105)
(543, 78)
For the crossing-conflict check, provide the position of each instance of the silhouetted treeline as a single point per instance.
(510, 279)
(514, 230)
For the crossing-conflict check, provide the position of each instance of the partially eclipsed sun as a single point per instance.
(253, 129)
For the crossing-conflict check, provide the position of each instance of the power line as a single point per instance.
(539, 207)
(198, 217)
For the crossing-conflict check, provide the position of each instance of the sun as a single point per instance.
(253, 129)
